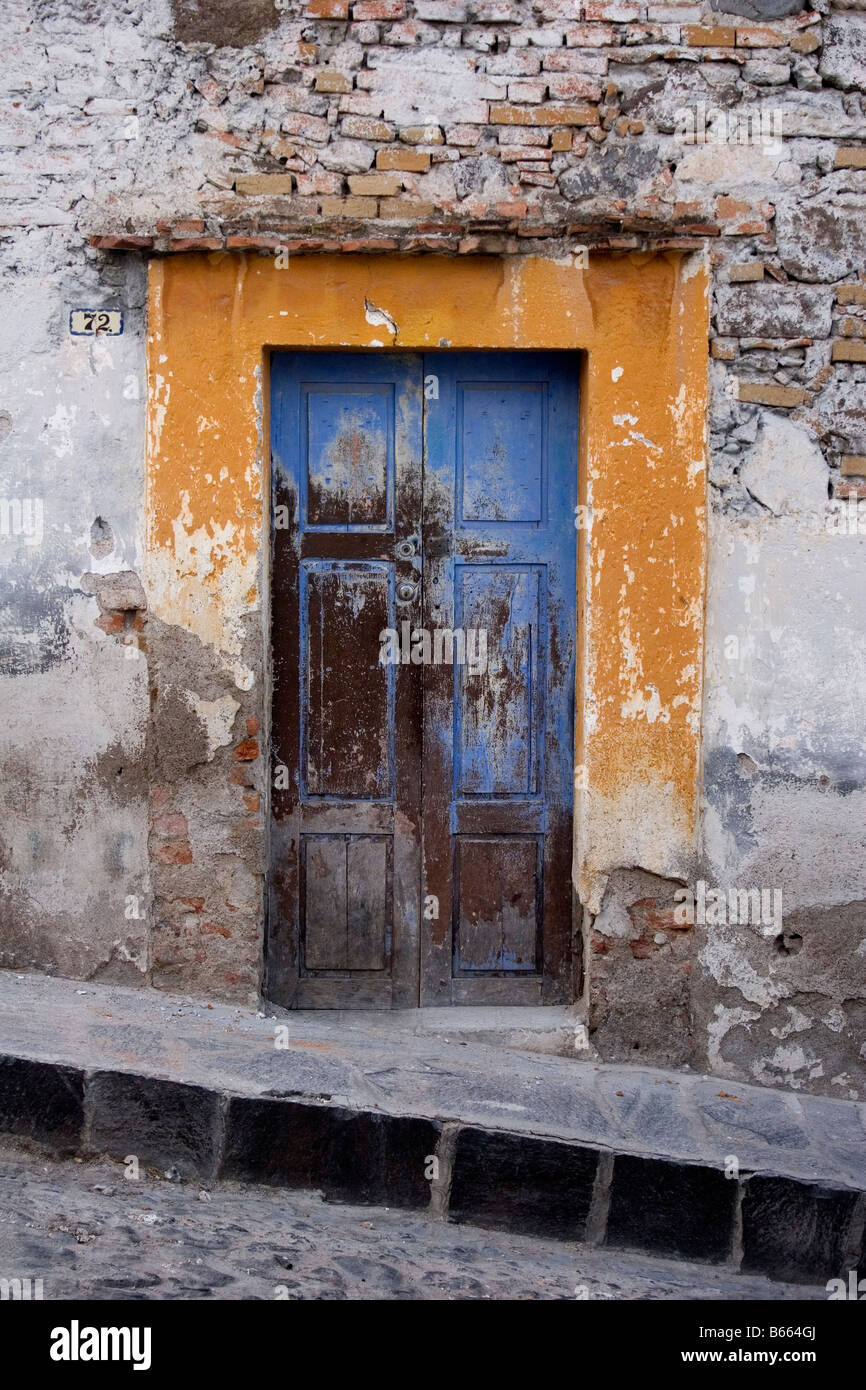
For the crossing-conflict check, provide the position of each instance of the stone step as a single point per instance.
(391, 1111)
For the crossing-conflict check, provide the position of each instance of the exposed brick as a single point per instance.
(806, 42)
(111, 623)
(255, 184)
(375, 185)
(768, 393)
(699, 36)
(361, 104)
(544, 115)
(511, 154)
(327, 9)
(253, 243)
(399, 208)
(756, 36)
(333, 82)
(853, 466)
(850, 157)
(616, 11)
(413, 161)
(246, 751)
(725, 349)
(849, 352)
(370, 243)
(121, 241)
(570, 86)
(569, 60)
(201, 243)
(527, 91)
(561, 140)
(422, 135)
(464, 136)
(590, 36)
(308, 127)
(751, 270)
(517, 62)
(171, 825)
(378, 9)
(726, 206)
(320, 181)
(172, 852)
(181, 226)
(365, 128)
(349, 207)
(851, 294)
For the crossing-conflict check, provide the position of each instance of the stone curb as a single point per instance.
(764, 1224)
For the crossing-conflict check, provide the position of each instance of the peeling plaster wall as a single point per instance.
(642, 322)
(74, 874)
(721, 724)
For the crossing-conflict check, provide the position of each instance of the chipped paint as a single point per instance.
(642, 322)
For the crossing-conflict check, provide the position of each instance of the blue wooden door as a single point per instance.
(422, 796)
(500, 483)
(344, 883)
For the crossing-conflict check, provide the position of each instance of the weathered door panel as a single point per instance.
(344, 901)
(500, 486)
(346, 887)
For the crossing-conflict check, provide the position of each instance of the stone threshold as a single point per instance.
(403, 1111)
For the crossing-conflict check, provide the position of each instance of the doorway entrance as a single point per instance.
(423, 655)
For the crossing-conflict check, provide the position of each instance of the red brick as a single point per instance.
(700, 36)
(370, 243)
(378, 9)
(121, 242)
(214, 929)
(641, 950)
(327, 9)
(590, 36)
(366, 128)
(252, 725)
(112, 623)
(253, 243)
(246, 751)
(172, 852)
(172, 825)
(619, 11)
(544, 115)
(182, 227)
(567, 86)
(761, 37)
(202, 243)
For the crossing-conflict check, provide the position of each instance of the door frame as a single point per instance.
(641, 322)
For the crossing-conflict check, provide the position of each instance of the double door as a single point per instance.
(423, 652)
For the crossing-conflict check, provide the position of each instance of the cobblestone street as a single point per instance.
(89, 1232)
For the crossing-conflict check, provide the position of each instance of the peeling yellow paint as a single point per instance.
(642, 323)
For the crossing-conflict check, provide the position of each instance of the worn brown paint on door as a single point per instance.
(355, 918)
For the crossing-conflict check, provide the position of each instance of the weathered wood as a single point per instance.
(371, 904)
(345, 849)
(500, 493)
